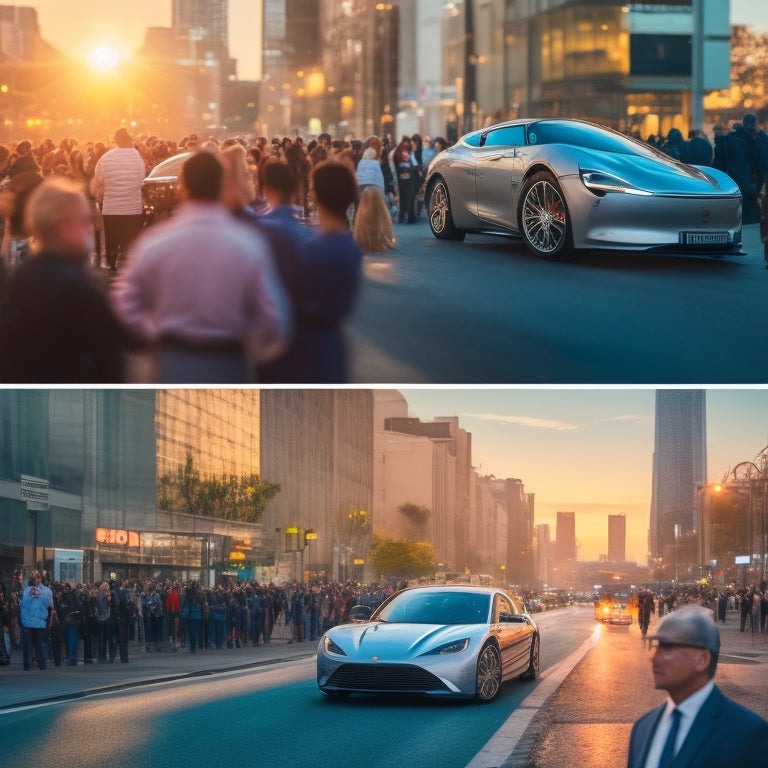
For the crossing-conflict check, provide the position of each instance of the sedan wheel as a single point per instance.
(439, 213)
(533, 667)
(544, 220)
(488, 674)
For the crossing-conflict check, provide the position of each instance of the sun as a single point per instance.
(104, 58)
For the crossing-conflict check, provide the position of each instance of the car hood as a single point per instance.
(658, 175)
(399, 641)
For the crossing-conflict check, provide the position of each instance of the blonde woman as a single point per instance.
(373, 223)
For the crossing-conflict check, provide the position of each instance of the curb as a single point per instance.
(137, 683)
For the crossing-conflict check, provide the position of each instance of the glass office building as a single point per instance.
(80, 471)
(95, 451)
(97, 455)
(635, 66)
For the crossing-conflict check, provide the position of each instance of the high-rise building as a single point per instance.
(201, 19)
(542, 553)
(293, 84)
(100, 457)
(679, 467)
(565, 537)
(617, 538)
(428, 464)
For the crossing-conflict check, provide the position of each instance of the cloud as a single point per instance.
(635, 418)
(525, 421)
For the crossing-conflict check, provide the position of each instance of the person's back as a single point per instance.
(116, 184)
(323, 285)
(202, 287)
(742, 166)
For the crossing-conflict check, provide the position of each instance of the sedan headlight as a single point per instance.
(457, 646)
(331, 647)
(601, 183)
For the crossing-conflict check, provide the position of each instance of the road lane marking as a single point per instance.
(503, 743)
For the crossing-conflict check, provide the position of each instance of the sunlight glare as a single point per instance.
(104, 58)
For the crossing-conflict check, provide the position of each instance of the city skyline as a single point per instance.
(589, 450)
(124, 26)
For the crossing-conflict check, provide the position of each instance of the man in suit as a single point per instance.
(698, 727)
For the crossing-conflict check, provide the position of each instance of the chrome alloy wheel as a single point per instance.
(439, 208)
(544, 218)
(488, 674)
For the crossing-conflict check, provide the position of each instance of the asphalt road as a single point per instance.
(488, 311)
(267, 716)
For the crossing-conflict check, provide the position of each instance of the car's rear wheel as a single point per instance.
(488, 674)
(544, 221)
(533, 666)
(439, 213)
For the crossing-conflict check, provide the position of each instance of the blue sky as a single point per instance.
(589, 451)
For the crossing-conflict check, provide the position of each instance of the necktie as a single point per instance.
(668, 753)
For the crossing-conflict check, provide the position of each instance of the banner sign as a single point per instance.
(34, 491)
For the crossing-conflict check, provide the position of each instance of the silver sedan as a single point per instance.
(565, 185)
(460, 641)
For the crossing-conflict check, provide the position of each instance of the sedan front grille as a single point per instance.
(385, 677)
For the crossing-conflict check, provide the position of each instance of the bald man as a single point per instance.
(56, 325)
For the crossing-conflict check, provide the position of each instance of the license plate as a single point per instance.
(704, 238)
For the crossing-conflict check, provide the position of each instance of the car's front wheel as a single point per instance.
(533, 666)
(439, 213)
(544, 221)
(488, 674)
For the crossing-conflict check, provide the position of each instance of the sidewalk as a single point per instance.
(590, 716)
(20, 688)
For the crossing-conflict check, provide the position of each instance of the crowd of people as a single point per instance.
(68, 623)
(742, 152)
(253, 276)
(748, 603)
(250, 279)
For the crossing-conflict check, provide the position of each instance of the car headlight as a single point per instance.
(601, 183)
(457, 646)
(331, 647)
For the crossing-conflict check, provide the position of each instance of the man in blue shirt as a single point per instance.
(35, 615)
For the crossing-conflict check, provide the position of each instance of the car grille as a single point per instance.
(385, 677)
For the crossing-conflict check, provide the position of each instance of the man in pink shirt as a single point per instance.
(202, 289)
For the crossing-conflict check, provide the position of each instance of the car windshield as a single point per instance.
(169, 167)
(589, 137)
(437, 607)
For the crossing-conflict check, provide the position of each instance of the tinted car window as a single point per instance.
(473, 139)
(589, 137)
(503, 610)
(436, 607)
(510, 136)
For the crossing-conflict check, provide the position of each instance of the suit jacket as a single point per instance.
(723, 735)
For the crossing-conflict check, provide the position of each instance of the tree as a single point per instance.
(417, 515)
(228, 497)
(401, 558)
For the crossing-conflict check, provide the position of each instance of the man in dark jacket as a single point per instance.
(56, 326)
(697, 727)
(742, 166)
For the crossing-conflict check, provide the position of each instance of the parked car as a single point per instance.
(461, 641)
(158, 190)
(569, 185)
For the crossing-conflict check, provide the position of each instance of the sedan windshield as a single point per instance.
(436, 607)
(589, 137)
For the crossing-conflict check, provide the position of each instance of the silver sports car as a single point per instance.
(461, 641)
(566, 185)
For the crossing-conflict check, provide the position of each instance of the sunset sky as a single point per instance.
(589, 451)
(76, 28)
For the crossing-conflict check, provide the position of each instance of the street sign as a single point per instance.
(34, 491)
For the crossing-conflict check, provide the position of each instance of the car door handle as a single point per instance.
(493, 158)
